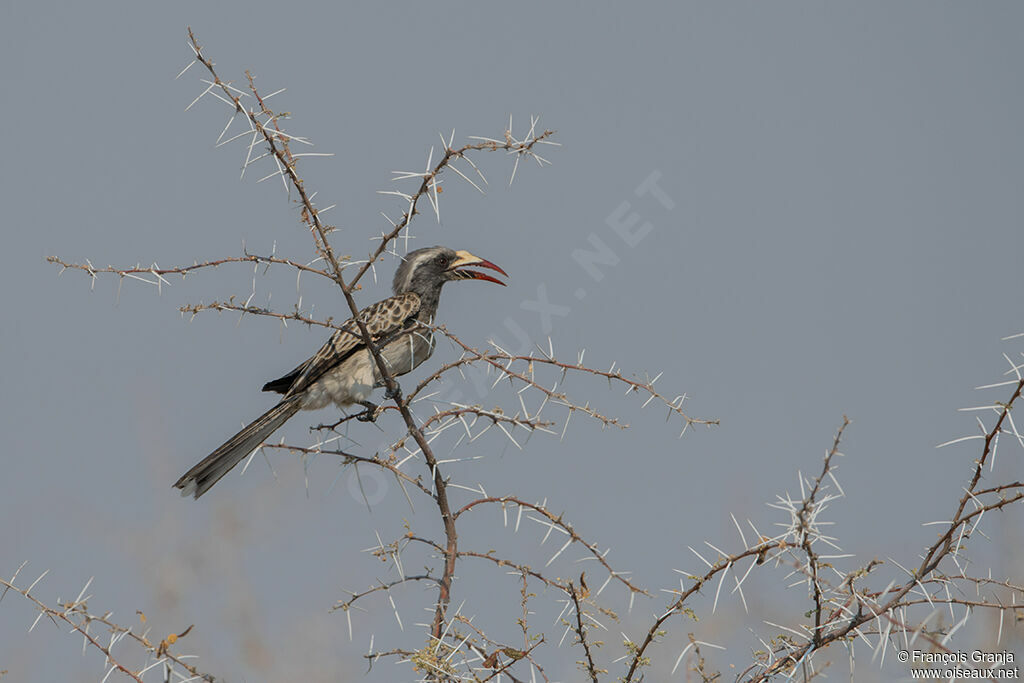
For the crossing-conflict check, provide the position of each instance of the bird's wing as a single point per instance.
(383, 321)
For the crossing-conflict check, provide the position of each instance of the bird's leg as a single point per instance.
(396, 394)
(370, 414)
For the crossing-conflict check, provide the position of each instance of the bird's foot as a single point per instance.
(396, 394)
(370, 414)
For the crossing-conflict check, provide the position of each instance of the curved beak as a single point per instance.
(459, 270)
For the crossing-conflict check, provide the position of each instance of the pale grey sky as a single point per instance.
(837, 231)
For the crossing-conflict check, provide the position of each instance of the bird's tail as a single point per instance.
(208, 472)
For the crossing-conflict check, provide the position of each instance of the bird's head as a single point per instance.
(429, 268)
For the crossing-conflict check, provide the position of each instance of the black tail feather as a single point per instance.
(210, 469)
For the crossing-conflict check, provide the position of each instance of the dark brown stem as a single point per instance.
(581, 633)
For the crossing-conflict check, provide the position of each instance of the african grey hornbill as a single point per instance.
(343, 371)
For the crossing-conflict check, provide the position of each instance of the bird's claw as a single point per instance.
(370, 414)
(393, 394)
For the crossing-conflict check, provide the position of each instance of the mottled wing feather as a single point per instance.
(383, 320)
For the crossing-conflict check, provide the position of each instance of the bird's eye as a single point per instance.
(442, 261)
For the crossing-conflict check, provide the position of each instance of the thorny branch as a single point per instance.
(555, 521)
(76, 614)
(503, 361)
(278, 147)
(581, 630)
(157, 272)
(807, 532)
(386, 463)
(853, 613)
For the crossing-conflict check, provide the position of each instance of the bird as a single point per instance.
(343, 371)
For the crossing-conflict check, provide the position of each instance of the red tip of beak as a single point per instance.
(477, 275)
(488, 264)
